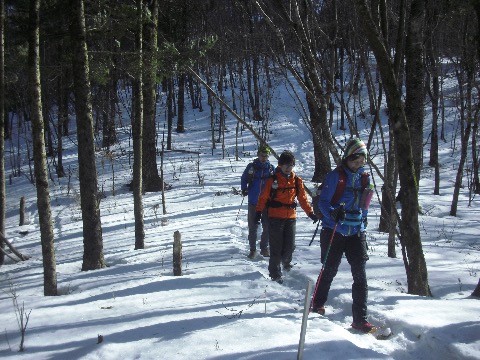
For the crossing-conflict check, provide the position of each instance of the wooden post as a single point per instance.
(22, 211)
(306, 308)
(177, 254)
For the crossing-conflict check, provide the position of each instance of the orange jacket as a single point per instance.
(285, 195)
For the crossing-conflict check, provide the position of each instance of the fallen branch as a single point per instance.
(12, 248)
(7, 254)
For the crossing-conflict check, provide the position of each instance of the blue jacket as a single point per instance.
(353, 222)
(255, 182)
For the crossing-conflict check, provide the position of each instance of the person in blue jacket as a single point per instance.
(252, 183)
(343, 232)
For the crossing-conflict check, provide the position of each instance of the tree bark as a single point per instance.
(2, 129)
(414, 259)
(92, 228)
(169, 85)
(137, 129)
(181, 103)
(39, 154)
(476, 292)
(465, 116)
(414, 83)
(297, 18)
(434, 93)
(151, 179)
(62, 118)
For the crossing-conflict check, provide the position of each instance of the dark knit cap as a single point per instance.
(355, 148)
(286, 158)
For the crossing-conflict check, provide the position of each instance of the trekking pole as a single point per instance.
(315, 233)
(323, 268)
(243, 198)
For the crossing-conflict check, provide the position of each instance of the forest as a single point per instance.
(352, 59)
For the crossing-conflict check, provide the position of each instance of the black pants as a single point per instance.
(253, 226)
(355, 249)
(282, 244)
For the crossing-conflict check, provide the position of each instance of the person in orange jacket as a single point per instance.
(279, 196)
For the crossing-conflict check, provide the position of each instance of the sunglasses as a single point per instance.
(359, 161)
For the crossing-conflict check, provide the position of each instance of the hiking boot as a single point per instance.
(277, 279)
(287, 266)
(318, 310)
(265, 253)
(252, 254)
(365, 327)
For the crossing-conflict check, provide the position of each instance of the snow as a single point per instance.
(224, 306)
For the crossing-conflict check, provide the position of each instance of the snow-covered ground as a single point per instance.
(224, 306)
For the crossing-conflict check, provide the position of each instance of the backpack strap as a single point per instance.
(341, 185)
(365, 176)
(273, 193)
(251, 173)
(254, 168)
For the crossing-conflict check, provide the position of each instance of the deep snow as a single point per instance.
(224, 306)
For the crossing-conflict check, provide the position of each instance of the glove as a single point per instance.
(338, 214)
(365, 223)
(313, 217)
(245, 192)
(258, 217)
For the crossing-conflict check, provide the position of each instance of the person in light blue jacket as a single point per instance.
(252, 183)
(343, 232)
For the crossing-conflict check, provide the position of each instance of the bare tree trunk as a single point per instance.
(465, 116)
(110, 101)
(476, 292)
(181, 103)
(221, 118)
(191, 91)
(320, 150)
(433, 91)
(475, 185)
(414, 83)
(137, 129)
(475, 157)
(169, 86)
(256, 89)
(62, 100)
(92, 228)
(298, 17)
(151, 178)
(47, 130)
(414, 259)
(2, 129)
(211, 102)
(39, 154)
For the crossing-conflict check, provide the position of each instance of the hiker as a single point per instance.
(279, 197)
(252, 183)
(343, 232)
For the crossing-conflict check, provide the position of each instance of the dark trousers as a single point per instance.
(282, 244)
(355, 249)
(253, 226)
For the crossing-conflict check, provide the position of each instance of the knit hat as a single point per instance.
(355, 147)
(286, 158)
(264, 149)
